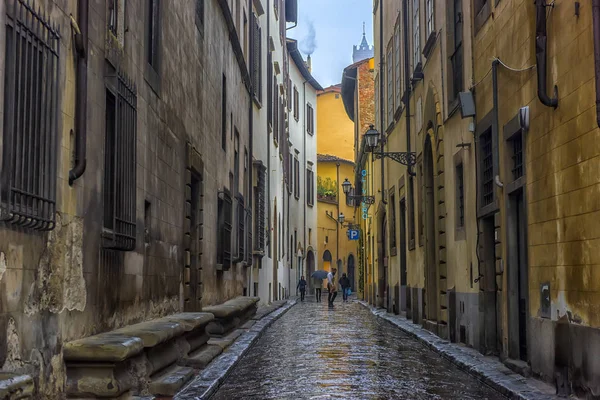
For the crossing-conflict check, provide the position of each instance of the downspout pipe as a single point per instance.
(407, 81)
(337, 225)
(382, 98)
(81, 43)
(541, 45)
(304, 250)
(495, 123)
(596, 27)
(250, 225)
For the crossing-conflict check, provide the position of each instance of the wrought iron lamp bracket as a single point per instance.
(402, 157)
(363, 199)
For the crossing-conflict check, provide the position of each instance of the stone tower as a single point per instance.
(363, 50)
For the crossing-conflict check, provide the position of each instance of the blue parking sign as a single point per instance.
(353, 234)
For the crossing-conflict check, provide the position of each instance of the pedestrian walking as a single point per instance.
(331, 287)
(302, 287)
(345, 284)
(318, 288)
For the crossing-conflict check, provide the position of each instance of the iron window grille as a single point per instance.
(259, 207)
(517, 157)
(29, 170)
(224, 229)
(460, 195)
(119, 231)
(257, 59)
(392, 222)
(241, 211)
(487, 168)
(411, 212)
(112, 16)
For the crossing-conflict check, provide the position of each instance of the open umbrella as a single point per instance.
(320, 274)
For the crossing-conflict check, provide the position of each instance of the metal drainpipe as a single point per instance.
(596, 27)
(495, 123)
(268, 183)
(81, 44)
(250, 163)
(407, 82)
(541, 45)
(337, 225)
(304, 151)
(381, 98)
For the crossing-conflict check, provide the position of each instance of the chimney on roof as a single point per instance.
(309, 64)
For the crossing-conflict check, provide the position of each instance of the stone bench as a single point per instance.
(144, 358)
(230, 315)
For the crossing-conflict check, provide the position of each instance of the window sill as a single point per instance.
(152, 78)
(257, 102)
(429, 44)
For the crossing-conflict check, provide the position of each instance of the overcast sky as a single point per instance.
(337, 26)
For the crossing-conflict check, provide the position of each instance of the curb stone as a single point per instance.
(208, 381)
(488, 370)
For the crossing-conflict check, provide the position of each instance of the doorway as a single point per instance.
(275, 254)
(193, 277)
(402, 244)
(382, 293)
(351, 271)
(488, 292)
(517, 277)
(430, 296)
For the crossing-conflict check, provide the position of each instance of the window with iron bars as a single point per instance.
(30, 138)
(112, 16)
(241, 228)
(310, 187)
(120, 164)
(224, 229)
(259, 207)
(460, 196)
(457, 56)
(390, 84)
(487, 168)
(257, 58)
(517, 156)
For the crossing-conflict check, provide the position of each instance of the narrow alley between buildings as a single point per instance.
(313, 352)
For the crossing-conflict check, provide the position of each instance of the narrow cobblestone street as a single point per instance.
(313, 352)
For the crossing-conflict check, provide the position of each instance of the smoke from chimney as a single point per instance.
(309, 43)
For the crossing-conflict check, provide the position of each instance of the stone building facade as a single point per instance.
(495, 219)
(126, 192)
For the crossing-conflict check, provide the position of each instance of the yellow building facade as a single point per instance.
(335, 154)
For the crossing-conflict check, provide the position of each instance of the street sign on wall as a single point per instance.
(353, 234)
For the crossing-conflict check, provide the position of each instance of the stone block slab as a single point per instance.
(202, 357)
(226, 341)
(169, 381)
(15, 386)
(153, 332)
(191, 320)
(105, 347)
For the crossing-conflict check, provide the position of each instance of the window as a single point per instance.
(421, 201)
(275, 110)
(456, 58)
(487, 168)
(483, 10)
(259, 207)
(152, 34)
(291, 173)
(377, 105)
(245, 34)
(200, 15)
(479, 5)
(224, 228)
(416, 34)
(29, 164)
(296, 104)
(296, 178)
(392, 221)
(350, 198)
(460, 196)
(390, 84)
(241, 223)
(224, 114)
(112, 16)
(310, 120)
(430, 17)
(256, 58)
(310, 187)
(397, 56)
(120, 166)
(269, 89)
(517, 156)
(289, 94)
(238, 212)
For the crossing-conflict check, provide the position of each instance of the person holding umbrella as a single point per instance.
(318, 277)
(331, 287)
(302, 287)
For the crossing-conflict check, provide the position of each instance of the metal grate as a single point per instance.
(28, 175)
(259, 204)
(241, 211)
(224, 229)
(460, 194)
(517, 157)
(120, 166)
(487, 168)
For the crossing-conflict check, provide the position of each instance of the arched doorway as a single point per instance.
(351, 271)
(310, 267)
(431, 282)
(327, 260)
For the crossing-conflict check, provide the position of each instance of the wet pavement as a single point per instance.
(313, 352)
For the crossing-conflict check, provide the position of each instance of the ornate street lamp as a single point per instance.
(373, 139)
(341, 218)
(347, 188)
